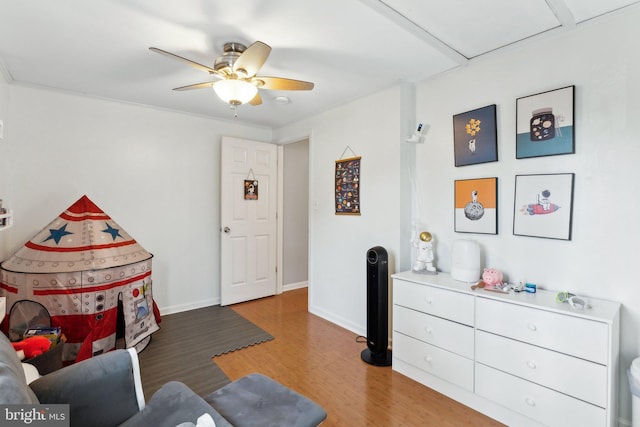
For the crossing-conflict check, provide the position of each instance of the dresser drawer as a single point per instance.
(534, 401)
(433, 330)
(434, 360)
(587, 339)
(450, 305)
(577, 377)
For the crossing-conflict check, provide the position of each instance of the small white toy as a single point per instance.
(424, 254)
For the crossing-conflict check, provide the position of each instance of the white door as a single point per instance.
(247, 220)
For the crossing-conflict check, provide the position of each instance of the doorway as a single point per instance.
(295, 215)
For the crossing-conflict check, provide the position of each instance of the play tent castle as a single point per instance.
(81, 268)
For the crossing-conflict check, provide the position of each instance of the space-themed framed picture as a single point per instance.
(476, 205)
(347, 186)
(475, 136)
(545, 124)
(543, 205)
(251, 189)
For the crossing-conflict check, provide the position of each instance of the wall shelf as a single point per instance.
(6, 219)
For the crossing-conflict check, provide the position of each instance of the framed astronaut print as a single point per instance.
(475, 136)
(543, 206)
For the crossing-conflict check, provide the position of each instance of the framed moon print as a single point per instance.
(545, 124)
(543, 206)
(476, 206)
(475, 138)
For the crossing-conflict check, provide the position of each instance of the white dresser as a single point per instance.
(520, 358)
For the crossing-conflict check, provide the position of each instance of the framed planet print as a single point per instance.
(475, 137)
(545, 124)
(476, 206)
(347, 186)
(543, 206)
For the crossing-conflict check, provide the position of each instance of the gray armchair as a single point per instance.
(106, 391)
(103, 391)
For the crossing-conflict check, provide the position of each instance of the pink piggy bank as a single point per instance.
(492, 277)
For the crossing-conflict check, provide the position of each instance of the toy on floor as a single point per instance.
(32, 347)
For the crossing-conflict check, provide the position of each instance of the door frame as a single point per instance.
(280, 212)
(280, 221)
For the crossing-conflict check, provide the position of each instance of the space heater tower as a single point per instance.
(376, 352)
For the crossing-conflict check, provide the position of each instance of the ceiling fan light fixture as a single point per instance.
(235, 92)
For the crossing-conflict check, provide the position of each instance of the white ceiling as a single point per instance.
(348, 48)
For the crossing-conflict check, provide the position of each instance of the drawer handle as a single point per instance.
(428, 330)
(533, 327)
(529, 401)
(429, 300)
(531, 364)
(427, 359)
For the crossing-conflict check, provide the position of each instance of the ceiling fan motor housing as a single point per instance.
(232, 52)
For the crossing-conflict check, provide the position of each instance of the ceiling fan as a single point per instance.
(235, 73)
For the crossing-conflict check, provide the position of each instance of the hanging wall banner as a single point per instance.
(347, 180)
(251, 189)
(251, 186)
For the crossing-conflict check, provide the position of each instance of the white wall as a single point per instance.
(601, 259)
(338, 244)
(296, 215)
(155, 172)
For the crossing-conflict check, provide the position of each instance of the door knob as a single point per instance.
(227, 230)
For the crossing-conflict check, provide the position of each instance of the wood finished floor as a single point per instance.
(322, 361)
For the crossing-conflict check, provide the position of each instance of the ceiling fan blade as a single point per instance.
(257, 100)
(195, 86)
(186, 61)
(252, 59)
(279, 83)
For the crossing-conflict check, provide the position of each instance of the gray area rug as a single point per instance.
(183, 348)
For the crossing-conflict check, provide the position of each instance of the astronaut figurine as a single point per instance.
(424, 255)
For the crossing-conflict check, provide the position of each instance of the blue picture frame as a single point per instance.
(475, 136)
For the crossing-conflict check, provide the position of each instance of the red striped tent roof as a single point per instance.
(82, 238)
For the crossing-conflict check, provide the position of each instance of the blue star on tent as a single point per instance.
(58, 234)
(115, 232)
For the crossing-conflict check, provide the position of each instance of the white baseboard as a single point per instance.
(343, 323)
(172, 309)
(293, 286)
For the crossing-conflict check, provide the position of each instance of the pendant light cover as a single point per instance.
(235, 92)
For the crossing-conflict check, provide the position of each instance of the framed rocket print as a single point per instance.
(543, 206)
